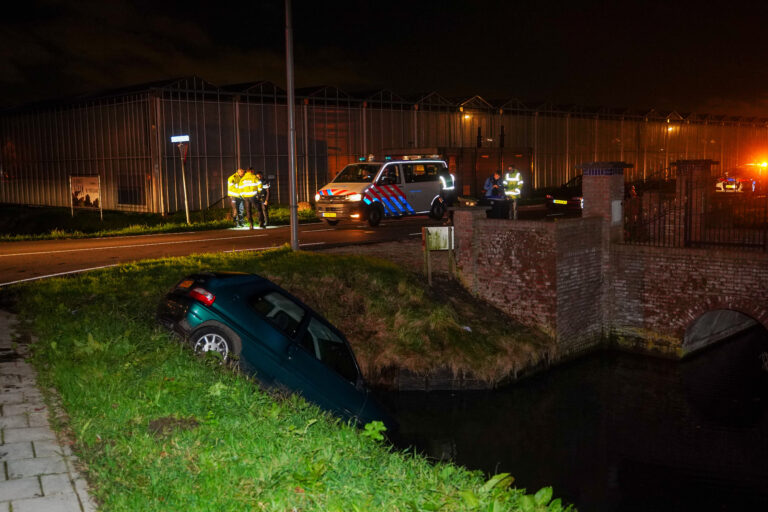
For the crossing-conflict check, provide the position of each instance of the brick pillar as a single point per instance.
(464, 222)
(692, 190)
(603, 193)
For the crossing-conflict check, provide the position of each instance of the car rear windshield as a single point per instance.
(357, 173)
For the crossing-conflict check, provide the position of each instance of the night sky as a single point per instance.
(674, 55)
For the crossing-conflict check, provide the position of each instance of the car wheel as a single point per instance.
(211, 339)
(438, 210)
(331, 222)
(374, 215)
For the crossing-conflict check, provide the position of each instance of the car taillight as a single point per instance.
(548, 197)
(202, 295)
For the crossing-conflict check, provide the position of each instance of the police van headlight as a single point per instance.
(355, 197)
(317, 197)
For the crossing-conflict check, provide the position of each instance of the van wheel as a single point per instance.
(438, 210)
(374, 215)
(331, 222)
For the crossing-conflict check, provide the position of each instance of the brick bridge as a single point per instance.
(576, 280)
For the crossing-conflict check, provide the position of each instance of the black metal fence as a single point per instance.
(687, 213)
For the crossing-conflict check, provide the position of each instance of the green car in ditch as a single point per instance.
(272, 335)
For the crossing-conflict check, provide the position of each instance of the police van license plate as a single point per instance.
(560, 201)
(329, 214)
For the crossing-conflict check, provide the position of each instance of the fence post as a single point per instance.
(691, 189)
(603, 193)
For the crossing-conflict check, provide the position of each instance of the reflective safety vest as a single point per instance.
(513, 184)
(249, 185)
(233, 189)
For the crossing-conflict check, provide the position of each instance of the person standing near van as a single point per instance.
(262, 202)
(233, 191)
(249, 185)
(493, 187)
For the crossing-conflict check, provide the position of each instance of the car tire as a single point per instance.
(331, 222)
(209, 339)
(374, 215)
(438, 210)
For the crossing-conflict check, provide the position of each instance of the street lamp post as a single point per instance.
(291, 128)
(182, 141)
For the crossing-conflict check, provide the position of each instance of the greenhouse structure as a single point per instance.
(123, 137)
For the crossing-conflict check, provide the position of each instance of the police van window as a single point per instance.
(280, 310)
(326, 346)
(390, 175)
(420, 173)
(432, 172)
(408, 172)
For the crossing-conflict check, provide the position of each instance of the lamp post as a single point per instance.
(182, 142)
(291, 128)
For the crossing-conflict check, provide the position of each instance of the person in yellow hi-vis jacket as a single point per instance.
(249, 188)
(233, 191)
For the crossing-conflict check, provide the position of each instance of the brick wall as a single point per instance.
(564, 279)
(658, 293)
(547, 275)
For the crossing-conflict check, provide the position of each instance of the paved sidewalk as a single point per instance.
(37, 472)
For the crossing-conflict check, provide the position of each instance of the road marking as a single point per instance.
(129, 246)
(313, 243)
(414, 234)
(317, 230)
(60, 274)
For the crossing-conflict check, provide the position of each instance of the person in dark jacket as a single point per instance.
(262, 195)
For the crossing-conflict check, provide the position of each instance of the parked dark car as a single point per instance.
(272, 335)
(567, 197)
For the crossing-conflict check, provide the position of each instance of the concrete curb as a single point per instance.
(37, 471)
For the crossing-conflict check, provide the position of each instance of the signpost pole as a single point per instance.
(71, 197)
(182, 146)
(182, 141)
(101, 201)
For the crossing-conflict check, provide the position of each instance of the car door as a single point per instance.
(324, 360)
(270, 320)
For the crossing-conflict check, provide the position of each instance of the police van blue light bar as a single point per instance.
(180, 138)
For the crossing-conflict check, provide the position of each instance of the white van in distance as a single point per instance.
(374, 190)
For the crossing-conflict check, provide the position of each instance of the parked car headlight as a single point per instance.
(355, 197)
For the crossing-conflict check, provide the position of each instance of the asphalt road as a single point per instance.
(24, 261)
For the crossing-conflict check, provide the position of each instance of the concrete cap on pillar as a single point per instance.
(604, 168)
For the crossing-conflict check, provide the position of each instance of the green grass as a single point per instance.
(18, 223)
(160, 429)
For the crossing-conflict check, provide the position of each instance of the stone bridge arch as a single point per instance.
(714, 319)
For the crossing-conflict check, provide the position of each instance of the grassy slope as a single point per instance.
(162, 430)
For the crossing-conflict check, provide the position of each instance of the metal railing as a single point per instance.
(696, 215)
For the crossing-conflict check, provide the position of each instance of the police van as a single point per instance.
(372, 191)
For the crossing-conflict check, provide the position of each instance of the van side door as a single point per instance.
(422, 184)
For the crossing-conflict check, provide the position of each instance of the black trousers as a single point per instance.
(251, 203)
(263, 210)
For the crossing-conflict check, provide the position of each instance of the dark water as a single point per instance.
(615, 431)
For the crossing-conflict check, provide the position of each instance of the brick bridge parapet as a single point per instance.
(575, 280)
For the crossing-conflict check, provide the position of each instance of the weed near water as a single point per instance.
(160, 429)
